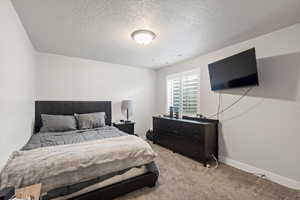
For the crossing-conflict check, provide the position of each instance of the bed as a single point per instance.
(104, 186)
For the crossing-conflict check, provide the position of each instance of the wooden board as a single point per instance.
(33, 191)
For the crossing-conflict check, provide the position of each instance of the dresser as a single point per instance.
(195, 139)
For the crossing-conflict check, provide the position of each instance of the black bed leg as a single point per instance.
(152, 185)
(153, 182)
(205, 162)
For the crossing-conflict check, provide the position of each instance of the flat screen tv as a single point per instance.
(239, 70)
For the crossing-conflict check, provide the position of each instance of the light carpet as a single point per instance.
(184, 179)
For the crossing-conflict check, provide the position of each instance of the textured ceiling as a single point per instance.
(100, 29)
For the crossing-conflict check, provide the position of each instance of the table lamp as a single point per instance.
(127, 109)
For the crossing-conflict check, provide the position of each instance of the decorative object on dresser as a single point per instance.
(127, 127)
(192, 137)
(127, 109)
(33, 192)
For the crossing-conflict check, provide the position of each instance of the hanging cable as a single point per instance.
(219, 105)
(216, 160)
(223, 110)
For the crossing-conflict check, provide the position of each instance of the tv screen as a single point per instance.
(239, 70)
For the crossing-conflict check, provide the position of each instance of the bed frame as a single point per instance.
(69, 108)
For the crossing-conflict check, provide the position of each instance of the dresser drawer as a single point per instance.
(169, 126)
(182, 130)
(193, 131)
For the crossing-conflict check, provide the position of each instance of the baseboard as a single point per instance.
(270, 175)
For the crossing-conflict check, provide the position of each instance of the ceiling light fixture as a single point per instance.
(143, 37)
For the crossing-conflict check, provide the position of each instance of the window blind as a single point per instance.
(183, 92)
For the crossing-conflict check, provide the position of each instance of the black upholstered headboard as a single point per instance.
(69, 108)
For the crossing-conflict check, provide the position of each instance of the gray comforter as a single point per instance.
(84, 142)
(71, 137)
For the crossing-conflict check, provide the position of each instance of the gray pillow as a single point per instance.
(52, 123)
(90, 120)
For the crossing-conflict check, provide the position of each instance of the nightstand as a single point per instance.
(127, 127)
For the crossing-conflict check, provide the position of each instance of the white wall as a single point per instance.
(17, 69)
(67, 78)
(262, 130)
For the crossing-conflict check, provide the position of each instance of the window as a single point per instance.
(183, 92)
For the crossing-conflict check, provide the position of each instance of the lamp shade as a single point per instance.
(127, 105)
